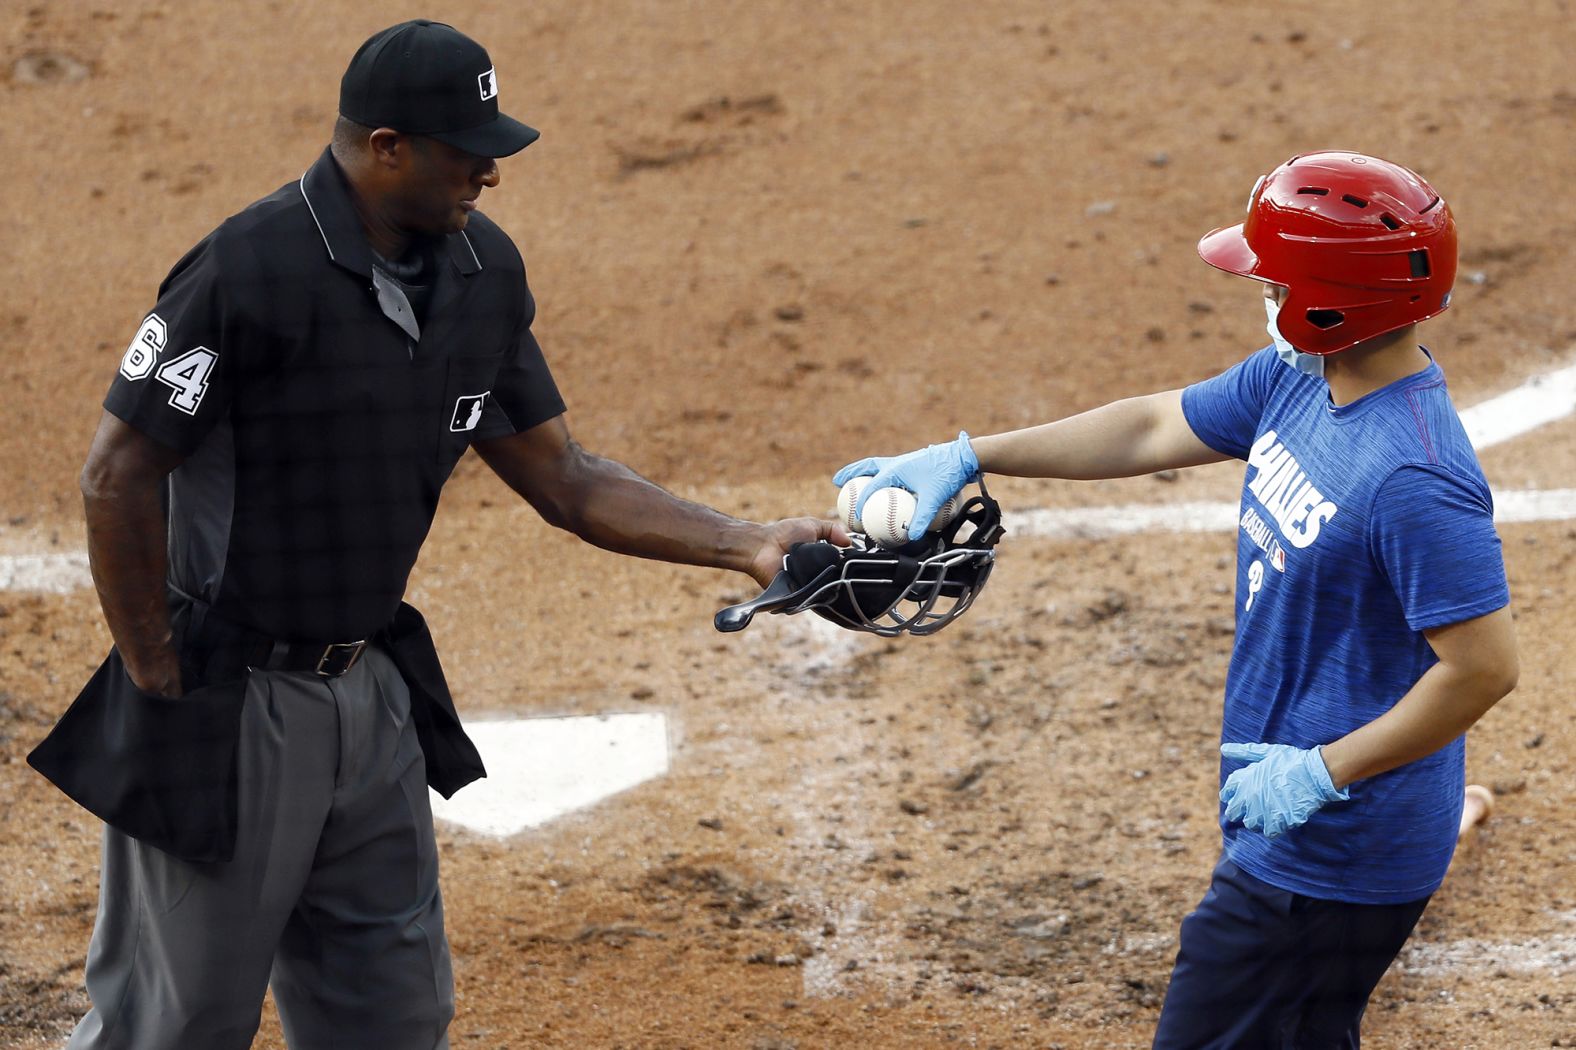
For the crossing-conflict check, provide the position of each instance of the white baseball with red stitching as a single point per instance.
(948, 511)
(887, 514)
(848, 499)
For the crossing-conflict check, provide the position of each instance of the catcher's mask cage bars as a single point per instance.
(948, 577)
(916, 609)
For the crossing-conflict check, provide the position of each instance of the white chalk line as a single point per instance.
(47, 573)
(1541, 400)
(1552, 955)
(1523, 505)
(65, 573)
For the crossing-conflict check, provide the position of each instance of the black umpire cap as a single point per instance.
(427, 78)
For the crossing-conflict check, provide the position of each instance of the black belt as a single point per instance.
(325, 661)
(226, 649)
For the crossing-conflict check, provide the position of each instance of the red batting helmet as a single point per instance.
(1362, 246)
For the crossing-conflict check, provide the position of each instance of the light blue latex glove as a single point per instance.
(1280, 787)
(933, 474)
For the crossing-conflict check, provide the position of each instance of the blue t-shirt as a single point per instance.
(1361, 526)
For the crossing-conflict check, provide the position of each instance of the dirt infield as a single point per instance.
(766, 238)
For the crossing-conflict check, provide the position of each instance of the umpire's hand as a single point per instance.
(779, 536)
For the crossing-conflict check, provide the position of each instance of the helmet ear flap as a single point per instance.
(1305, 326)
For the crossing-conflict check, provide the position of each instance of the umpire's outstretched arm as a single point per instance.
(607, 504)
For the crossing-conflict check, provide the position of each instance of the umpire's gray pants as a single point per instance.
(333, 891)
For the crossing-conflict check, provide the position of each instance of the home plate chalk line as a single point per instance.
(542, 768)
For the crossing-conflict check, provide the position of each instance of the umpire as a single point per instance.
(261, 738)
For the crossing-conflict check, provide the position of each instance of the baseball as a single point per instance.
(887, 514)
(948, 511)
(848, 499)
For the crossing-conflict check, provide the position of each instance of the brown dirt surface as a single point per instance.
(767, 238)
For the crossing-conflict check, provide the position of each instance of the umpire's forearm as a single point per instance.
(1134, 436)
(616, 509)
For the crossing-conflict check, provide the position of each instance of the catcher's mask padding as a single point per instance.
(918, 588)
(821, 564)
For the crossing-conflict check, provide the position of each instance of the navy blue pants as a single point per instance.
(1262, 968)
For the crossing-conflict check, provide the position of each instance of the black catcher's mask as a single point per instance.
(918, 588)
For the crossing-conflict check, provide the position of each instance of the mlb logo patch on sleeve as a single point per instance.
(467, 411)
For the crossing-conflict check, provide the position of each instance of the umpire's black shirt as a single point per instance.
(321, 415)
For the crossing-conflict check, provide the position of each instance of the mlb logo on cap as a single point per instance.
(488, 82)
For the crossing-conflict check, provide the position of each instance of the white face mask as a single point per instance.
(1307, 364)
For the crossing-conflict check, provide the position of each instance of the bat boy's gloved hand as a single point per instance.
(933, 474)
(1280, 787)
